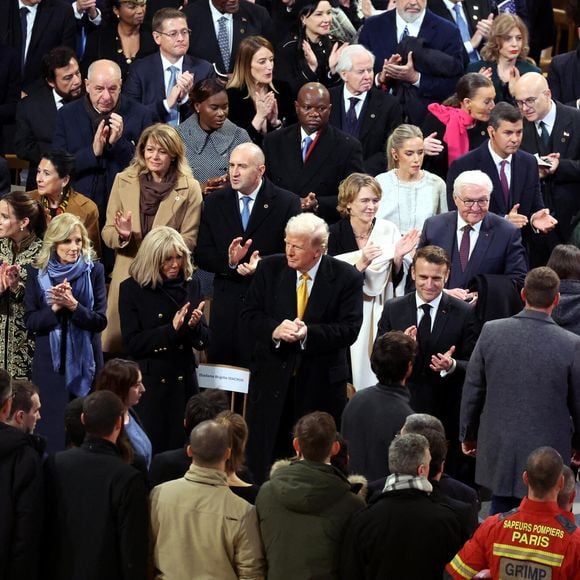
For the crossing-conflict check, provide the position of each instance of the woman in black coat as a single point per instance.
(160, 309)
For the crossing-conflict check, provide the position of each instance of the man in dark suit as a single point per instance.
(303, 310)
(33, 28)
(9, 95)
(427, 75)
(101, 130)
(312, 157)
(240, 224)
(514, 175)
(564, 78)
(362, 110)
(218, 27)
(162, 81)
(36, 114)
(552, 131)
(445, 330)
(477, 242)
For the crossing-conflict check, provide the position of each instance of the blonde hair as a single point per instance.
(500, 28)
(242, 73)
(310, 226)
(155, 248)
(350, 187)
(238, 434)
(397, 140)
(167, 137)
(59, 229)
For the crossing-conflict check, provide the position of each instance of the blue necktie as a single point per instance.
(24, 33)
(405, 34)
(174, 113)
(224, 42)
(246, 211)
(305, 146)
(464, 31)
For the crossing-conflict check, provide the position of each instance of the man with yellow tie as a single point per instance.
(303, 311)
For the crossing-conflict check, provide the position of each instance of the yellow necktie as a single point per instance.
(302, 295)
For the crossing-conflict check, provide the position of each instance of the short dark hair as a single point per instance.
(544, 468)
(391, 356)
(433, 255)
(101, 411)
(565, 261)
(204, 89)
(316, 432)
(22, 391)
(209, 441)
(118, 376)
(541, 287)
(204, 406)
(58, 57)
(164, 14)
(504, 112)
(5, 386)
(75, 430)
(437, 448)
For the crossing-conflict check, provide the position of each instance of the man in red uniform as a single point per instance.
(535, 540)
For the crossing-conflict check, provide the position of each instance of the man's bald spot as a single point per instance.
(533, 81)
(253, 152)
(317, 89)
(104, 66)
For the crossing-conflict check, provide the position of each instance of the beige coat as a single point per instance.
(201, 529)
(181, 210)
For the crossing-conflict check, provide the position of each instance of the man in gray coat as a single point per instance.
(522, 391)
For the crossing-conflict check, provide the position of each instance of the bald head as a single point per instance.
(103, 85)
(209, 444)
(313, 107)
(246, 168)
(251, 151)
(533, 96)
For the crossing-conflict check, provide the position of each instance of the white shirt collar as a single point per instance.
(347, 95)
(216, 14)
(166, 63)
(31, 9)
(451, 6)
(412, 27)
(57, 99)
(549, 119)
(252, 195)
(312, 272)
(461, 223)
(434, 303)
(304, 134)
(496, 158)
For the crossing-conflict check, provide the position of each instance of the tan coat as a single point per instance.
(181, 210)
(86, 210)
(201, 529)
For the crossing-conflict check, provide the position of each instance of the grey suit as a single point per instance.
(522, 391)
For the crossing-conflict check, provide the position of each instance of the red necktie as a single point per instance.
(504, 184)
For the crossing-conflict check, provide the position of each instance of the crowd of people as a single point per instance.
(374, 208)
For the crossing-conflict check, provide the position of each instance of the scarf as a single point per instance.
(398, 481)
(152, 194)
(97, 117)
(456, 121)
(79, 359)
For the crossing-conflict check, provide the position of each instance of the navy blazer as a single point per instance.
(524, 183)
(498, 250)
(564, 77)
(146, 83)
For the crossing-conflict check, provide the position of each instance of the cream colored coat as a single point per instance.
(181, 210)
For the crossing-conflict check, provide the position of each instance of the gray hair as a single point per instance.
(474, 177)
(310, 226)
(407, 453)
(419, 421)
(344, 63)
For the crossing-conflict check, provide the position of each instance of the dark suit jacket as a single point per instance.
(524, 185)
(564, 77)
(498, 250)
(561, 189)
(74, 133)
(4, 177)
(249, 20)
(220, 224)
(318, 372)
(9, 94)
(475, 10)
(54, 25)
(381, 113)
(334, 157)
(379, 35)
(146, 83)
(35, 119)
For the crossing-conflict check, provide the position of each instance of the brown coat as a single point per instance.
(181, 210)
(86, 210)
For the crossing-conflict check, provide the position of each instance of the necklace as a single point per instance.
(366, 235)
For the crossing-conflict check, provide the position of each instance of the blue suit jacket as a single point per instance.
(524, 184)
(498, 250)
(74, 133)
(146, 83)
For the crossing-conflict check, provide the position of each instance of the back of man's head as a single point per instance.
(101, 412)
(407, 453)
(73, 426)
(209, 443)
(437, 449)
(203, 407)
(541, 287)
(416, 422)
(568, 492)
(543, 471)
(392, 354)
(314, 435)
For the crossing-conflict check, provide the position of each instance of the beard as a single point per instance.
(409, 16)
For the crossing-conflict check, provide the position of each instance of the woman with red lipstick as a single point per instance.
(504, 56)
(65, 305)
(160, 307)
(157, 189)
(375, 247)
(255, 103)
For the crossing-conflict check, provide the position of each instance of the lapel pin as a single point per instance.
(373, 115)
(242, 30)
(176, 198)
(266, 206)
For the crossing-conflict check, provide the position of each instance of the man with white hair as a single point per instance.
(303, 310)
(478, 242)
(361, 109)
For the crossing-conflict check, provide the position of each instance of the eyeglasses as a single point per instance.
(529, 102)
(175, 33)
(469, 203)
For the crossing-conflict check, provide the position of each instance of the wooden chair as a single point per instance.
(16, 165)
